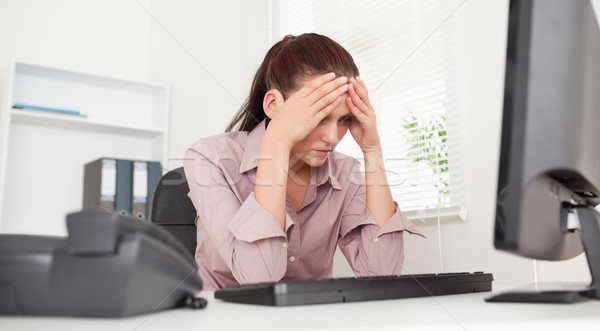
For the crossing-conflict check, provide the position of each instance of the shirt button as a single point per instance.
(292, 259)
(284, 245)
(375, 240)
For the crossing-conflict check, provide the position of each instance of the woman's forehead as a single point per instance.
(342, 108)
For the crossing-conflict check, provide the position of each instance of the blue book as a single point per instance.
(48, 109)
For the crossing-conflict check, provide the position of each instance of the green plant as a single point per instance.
(427, 139)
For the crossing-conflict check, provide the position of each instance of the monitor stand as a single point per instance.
(589, 231)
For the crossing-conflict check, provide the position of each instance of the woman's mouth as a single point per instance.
(322, 152)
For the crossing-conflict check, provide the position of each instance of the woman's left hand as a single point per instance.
(364, 127)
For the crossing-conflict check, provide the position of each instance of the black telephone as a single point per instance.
(109, 265)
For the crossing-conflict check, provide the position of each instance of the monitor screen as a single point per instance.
(550, 146)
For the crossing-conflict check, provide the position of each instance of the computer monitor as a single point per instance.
(549, 175)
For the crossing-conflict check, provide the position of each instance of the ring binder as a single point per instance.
(99, 185)
(124, 186)
(139, 197)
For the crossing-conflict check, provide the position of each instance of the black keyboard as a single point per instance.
(356, 289)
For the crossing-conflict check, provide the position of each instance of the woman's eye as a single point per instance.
(345, 120)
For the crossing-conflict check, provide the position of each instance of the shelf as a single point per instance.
(104, 100)
(79, 123)
(43, 153)
(37, 69)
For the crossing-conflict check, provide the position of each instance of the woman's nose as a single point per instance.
(330, 135)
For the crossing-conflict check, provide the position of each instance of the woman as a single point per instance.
(273, 198)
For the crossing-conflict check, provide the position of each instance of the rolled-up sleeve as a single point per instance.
(247, 237)
(370, 249)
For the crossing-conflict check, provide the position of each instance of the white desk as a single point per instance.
(454, 312)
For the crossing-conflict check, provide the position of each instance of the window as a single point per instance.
(405, 52)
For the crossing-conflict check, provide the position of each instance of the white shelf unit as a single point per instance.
(42, 154)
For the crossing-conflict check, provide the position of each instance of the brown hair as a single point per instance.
(285, 65)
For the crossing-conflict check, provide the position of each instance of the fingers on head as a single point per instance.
(360, 82)
(328, 109)
(325, 89)
(356, 99)
(359, 95)
(360, 89)
(315, 83)
(349, 103)
(332, 96)
(354, 108)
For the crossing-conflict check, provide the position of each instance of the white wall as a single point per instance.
(109, 37)
(208, 51)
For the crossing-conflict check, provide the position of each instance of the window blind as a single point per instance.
(405, 52)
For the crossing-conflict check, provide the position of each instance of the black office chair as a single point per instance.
(173, 210)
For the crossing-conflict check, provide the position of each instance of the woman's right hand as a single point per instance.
(297, 116)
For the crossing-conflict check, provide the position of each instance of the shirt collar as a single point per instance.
(325, 172)
(252, 152)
